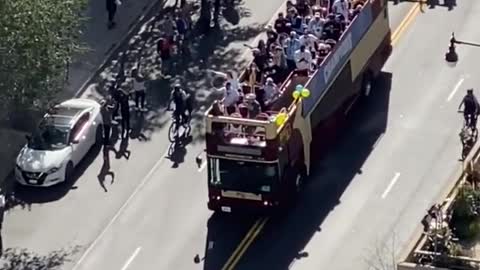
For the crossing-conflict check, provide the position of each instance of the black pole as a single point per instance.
(452, 56)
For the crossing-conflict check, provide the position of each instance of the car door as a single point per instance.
(79, 138)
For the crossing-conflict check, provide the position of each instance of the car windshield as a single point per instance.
(243, 175)
(49, 137)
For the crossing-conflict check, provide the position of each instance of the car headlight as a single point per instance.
(53, 170)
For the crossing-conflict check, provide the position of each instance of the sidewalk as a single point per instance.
(102, 44)
(101, 41)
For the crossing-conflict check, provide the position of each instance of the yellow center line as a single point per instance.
(242, 243)
(407, 21)
(247, 244)
(260, 223)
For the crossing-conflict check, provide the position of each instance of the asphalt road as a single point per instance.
(157, 191)
(153, 214)
(368, 196)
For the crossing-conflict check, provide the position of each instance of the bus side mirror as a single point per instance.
(199, 161)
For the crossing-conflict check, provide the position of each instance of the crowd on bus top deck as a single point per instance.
(298, 40)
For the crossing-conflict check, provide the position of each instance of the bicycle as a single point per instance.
(470, 123)
(174, 129)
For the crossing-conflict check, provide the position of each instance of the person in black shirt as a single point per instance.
(329, 27)
(123, 96)
(280, 24)
(272, 37)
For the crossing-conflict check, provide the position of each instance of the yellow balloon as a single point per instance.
(296, 94)
(281, 117)
(305, 93)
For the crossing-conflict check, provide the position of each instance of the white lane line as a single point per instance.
(455, 89)
(132, 257)
(390, 186)
(117, 214)
(202, 167)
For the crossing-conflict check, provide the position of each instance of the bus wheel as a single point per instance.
(367, 83)
(300, 178)
(298, 183)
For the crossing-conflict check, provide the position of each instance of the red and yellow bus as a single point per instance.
(261, 163)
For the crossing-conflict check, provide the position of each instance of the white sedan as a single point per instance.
(63, 138)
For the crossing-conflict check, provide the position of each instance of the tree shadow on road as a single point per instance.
(286, 235)
(24, 197)
(208, 51)
(23, 259)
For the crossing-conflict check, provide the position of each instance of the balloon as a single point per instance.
(299, 87)
(305, 93)
(281, 117)
(296, 94)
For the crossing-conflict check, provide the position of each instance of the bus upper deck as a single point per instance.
(241, 123)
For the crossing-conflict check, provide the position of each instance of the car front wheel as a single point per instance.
(99, 135)
(68, 172)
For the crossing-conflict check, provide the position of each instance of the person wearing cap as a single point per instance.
(315, 25)
(253, 106)
(106, 111)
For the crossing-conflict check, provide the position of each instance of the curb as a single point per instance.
(116, 46)
(456, 177)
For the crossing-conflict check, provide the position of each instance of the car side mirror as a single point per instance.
(28, 137)
(75, 141)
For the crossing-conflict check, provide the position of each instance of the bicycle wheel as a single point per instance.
(186, 125)
(173, 132)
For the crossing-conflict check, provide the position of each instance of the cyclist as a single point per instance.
(179, 97)
(471, 109)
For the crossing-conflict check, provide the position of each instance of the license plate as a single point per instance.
(33, 181)
(226, 209)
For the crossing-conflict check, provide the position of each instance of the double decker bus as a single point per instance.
(262, 163)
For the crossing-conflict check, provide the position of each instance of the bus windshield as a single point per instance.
(243, 176)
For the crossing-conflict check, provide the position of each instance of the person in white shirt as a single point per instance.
(341, 7)
(231, 77)
(271, 91)
(308, 40)
(231, 96)
(315, 25)
(303, 58)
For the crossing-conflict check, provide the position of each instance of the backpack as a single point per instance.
(178, 97)
(469, 103)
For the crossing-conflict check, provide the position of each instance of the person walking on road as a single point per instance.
(112, 10)
(106, 111)
(139, 89)
(124, 112)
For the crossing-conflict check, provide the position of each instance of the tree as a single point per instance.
(38, 39)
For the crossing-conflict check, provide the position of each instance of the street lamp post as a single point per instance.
(452, 56)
